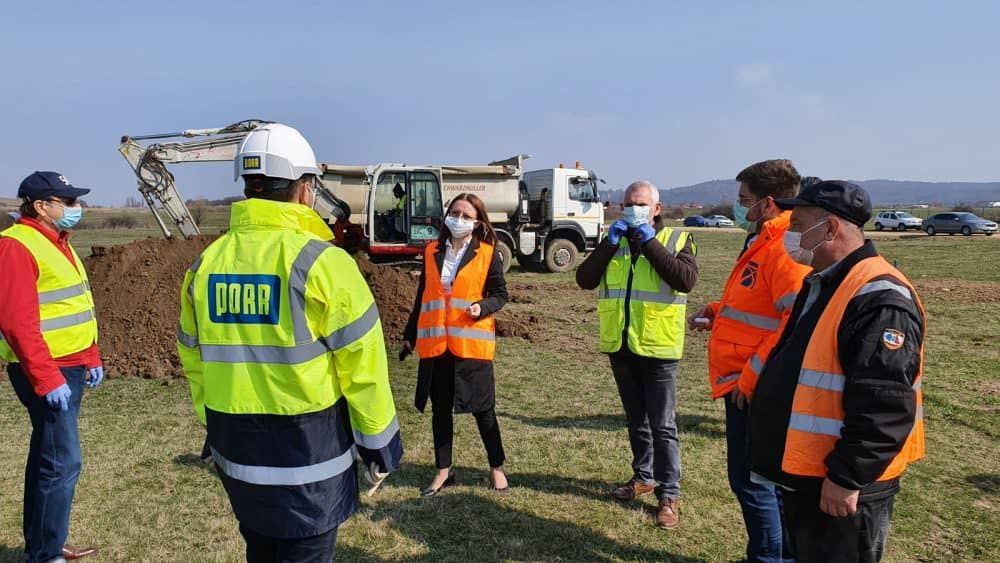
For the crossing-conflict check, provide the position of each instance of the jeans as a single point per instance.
(817, 536)
(53, 466)
(760, 503)
(648, 390)
(442, 422)
(265, 549)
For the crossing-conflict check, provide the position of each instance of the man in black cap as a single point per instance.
(48, 336)
(837, 414)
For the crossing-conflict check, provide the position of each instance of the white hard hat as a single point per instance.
(276, 151)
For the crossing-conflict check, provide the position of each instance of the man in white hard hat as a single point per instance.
(282, 345)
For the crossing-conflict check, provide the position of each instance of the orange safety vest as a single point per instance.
(817, 408)
(444, 323)
(760, 291)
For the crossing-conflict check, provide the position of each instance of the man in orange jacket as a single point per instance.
(744, 323)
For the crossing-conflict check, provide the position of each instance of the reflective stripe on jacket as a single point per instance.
(65, 304)
(759, 293)
(817, 414)
(282, 344)
(656, 310)
(444, 323)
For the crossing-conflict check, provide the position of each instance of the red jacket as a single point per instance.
(19, 318)
(758, 295)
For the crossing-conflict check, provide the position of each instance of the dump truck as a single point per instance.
(544, 218)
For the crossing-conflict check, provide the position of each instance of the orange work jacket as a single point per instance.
(444, 323)
(758, 295)
(817, 407)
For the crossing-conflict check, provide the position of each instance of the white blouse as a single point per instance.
(450, 265)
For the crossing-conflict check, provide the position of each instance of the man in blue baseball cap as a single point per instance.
(48, 336)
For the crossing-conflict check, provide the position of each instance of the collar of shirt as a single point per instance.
(465, 245)
(59, 238)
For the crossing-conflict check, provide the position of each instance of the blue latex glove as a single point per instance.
(616, 231)
(643, 233)
(59, 397)
(96, 377)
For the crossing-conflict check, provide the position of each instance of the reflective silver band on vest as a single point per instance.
(822, 380)
(67, 321)
(297, 286)
(918, 385)
(56, 295)
(472, 334)
(756, 364)
(285, 476)
(785, 302)
(262, 354)
(457, 303)
(191, 341)
(815, 424)
(920, 413)
(432, 305)
(884, 285)
(431, 332)
(757, 321)
(380, 440)
(354, 331)
(666, 298)
(727, 378)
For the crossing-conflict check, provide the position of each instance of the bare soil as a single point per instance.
(959, 290)
(136, 287)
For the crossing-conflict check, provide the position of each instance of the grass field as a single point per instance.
(143, 496)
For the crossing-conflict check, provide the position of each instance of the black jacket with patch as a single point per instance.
(879, 400)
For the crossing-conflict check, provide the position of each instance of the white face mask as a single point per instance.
(793, 245)
(636, 215)
(459, 227)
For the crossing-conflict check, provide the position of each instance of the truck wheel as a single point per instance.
(506, 255)
(560, 256)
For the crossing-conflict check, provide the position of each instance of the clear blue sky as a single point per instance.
(676, 92)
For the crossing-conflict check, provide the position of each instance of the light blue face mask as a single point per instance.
(636, 215)
(740, 215)
(71, 216)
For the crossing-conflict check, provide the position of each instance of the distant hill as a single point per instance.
(883, 192)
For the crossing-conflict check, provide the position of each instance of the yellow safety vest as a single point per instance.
(65, 304)
(282, 344)
(656, 310)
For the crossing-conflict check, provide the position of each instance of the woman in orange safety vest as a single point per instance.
(451, 328)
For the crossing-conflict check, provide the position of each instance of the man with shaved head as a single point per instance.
(643, 276)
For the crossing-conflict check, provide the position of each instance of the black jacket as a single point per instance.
(879, 400)
(474, 387)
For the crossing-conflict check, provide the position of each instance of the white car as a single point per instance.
(897, 221)
(719, 221)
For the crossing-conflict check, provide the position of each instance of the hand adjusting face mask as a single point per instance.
(636, 215)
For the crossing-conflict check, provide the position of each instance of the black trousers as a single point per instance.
(817, 536)
(442, 423)
(265, 549)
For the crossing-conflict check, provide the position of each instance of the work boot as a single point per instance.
(667, 517)
(632, 490)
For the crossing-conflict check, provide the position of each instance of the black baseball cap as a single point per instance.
(841, 198)
(43, 185)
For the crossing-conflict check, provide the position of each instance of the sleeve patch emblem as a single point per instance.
(893, 339)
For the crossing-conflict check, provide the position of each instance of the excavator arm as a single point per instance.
(156, 183)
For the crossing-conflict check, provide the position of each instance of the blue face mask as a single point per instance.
(740, 214)
(71, 216)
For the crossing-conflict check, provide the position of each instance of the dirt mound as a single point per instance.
(137, 291)
(136, 287)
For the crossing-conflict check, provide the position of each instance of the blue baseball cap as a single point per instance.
(43, 185)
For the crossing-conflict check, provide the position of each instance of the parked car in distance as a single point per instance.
(958, 222)
(719, 221)
(897, 220)
(695, 221)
